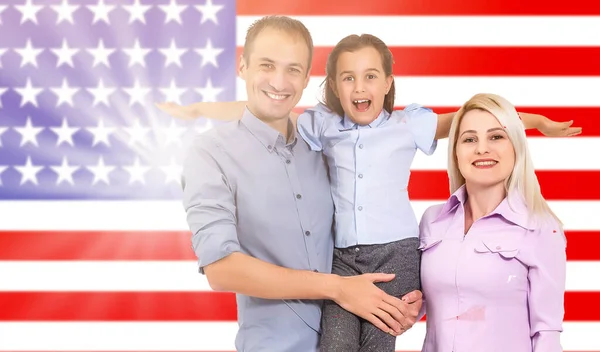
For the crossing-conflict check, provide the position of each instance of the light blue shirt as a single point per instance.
(246, 189)
(369, 168)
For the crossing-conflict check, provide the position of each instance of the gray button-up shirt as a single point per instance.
(247, 190)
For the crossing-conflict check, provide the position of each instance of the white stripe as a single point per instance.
(170, 216)
(562, 154)
(454, 91)
(449, 30)
(167, 276)
(213, 336)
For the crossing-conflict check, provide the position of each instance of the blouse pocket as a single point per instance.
(428, 243)
(505, 246)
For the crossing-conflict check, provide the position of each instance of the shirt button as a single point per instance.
(360, 146)
(356, 249)
(298, 196)
(498, 247)
(359, 207)
(288, 161)
(307, 233)
(360, 175)
(270, 147)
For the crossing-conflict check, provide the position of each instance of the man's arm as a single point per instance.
(210, 207)
(541, 123)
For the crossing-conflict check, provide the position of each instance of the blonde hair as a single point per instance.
(522, 178)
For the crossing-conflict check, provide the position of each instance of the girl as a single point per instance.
(494, 261)
(369, 149)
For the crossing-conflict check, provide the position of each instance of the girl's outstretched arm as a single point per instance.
(547, 127)
(224, 111)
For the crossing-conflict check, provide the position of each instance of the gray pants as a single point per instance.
(343, 331)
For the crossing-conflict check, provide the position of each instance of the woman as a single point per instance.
(493, 256)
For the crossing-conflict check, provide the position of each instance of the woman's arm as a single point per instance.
(541, 123)
(547, 276)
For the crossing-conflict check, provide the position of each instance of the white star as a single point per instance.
(101, 12)
(64, 54)
(209, 54)
(137, 93)
(64, 171)
(101, 93)
(137, 11)
(173, 94)
(29, 93)
(172, 11)
(101, 171)
(2, 51)
(29, 133)
(101, 133)
(209, 11)
(64, 93)
(136, 171)
(209, 93)
(136, 54)
(29, 11)
(2, 8)
(173, 54)
(2, 90)
(29, 54)
(172, 172)
(65, 133)
(173, 133)
(2, 130)
(101, 54)
(29, 172)
(137, 133)
(2, 168)
(65, 11)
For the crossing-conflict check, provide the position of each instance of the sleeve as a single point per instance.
(547, 276)
(209, 205)
(422, 123)
(311, 125)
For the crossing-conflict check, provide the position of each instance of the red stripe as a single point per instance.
(482, 61)
(433, 185)
(175, 306)
(412, 7)
(76, 245)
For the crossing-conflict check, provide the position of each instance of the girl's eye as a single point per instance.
(371, 76)
(497, 136)
(348, 78)
(469, 140)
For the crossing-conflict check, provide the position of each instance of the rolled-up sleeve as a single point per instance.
(422, 123)
(547, 276)
(311, 125)
(209, 204)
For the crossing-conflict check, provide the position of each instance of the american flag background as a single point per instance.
(95, 252)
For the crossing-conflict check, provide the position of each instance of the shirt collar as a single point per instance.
(512, 208)
(267, 135)
(348, 124)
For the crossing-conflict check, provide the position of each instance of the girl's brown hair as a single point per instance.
(352, 43)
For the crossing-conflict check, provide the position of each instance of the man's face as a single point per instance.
(276, 73)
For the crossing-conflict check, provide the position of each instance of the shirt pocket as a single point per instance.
(505, 246)
(427, 243)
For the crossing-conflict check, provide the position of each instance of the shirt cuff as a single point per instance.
(547, 341)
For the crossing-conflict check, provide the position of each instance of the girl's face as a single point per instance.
(361, 84)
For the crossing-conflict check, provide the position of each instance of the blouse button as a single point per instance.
(498, 247)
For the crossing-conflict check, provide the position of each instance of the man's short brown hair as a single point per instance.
(282, 23)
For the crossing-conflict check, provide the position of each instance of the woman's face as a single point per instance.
(485, 155)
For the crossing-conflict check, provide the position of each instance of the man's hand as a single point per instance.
(359, 295)
(177, 111)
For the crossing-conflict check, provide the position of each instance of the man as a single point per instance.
(260, 210)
